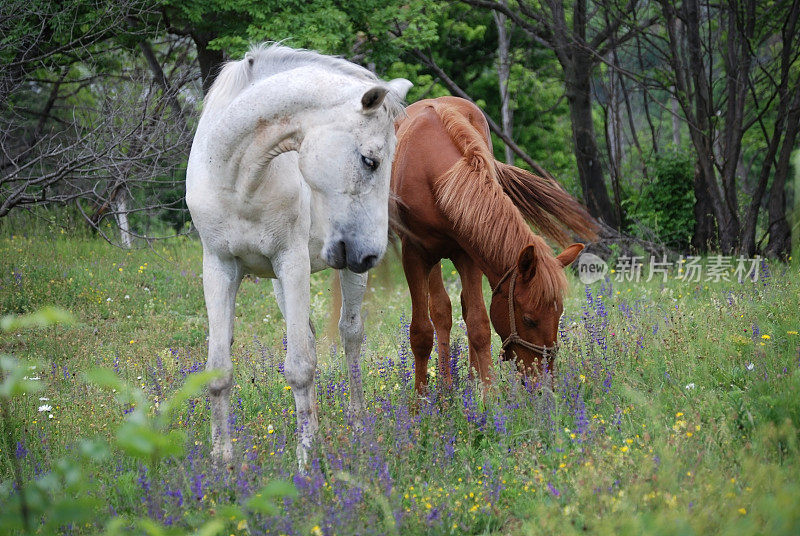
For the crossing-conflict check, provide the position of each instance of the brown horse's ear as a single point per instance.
(570, 254)
(527, 262)
(373, 98)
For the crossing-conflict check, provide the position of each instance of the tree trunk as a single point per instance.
(577, 75)
(503, 73)
(796, 209)
(161, 79)
(676, 123)
(697, 103)
(614, 136)
(705, 229)
(121, 215)
(209, 60)
(780, 235)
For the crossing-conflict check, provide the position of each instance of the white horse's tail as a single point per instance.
(230, 81)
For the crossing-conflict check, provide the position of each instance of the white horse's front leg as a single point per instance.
(279, 297)
(351, 330)
(301, 357)
(221, 278)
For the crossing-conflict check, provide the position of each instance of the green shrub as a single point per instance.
(665, 206)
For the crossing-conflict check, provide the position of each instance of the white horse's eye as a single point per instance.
(369, 163)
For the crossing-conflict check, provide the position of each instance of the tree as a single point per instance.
(579, 38)
(356, 29)
(90, 117)
(721, 110)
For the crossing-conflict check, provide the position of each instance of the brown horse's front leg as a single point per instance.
(442, 316)
(421, 330)
(479, 331)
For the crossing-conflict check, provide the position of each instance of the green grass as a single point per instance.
(681, 437)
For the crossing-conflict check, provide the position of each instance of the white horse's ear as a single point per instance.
(373, 98)
(400, 86)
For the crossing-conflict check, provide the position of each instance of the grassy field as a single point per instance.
(676, 407)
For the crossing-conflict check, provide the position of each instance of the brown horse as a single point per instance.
(453, 200)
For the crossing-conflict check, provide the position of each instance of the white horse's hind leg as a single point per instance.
(221, 278)
(351, 330)
(301, 357)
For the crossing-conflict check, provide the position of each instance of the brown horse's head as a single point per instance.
(528, 322)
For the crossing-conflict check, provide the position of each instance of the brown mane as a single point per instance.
(472, 198)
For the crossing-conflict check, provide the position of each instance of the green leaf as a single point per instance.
(261, 504)
(46, 317)
(10, 519)
(105, 378)
(150, 527)
(94, 449)
(262, 501)
(71, 510)
(211, 528)
(15, 381)
(173, 444)
(117, 526)
(230, 512)
(279, 488)
(137, 440)
(193, 386)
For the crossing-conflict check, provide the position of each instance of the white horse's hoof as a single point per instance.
(222, 456)
(356, 414)
(302, 459)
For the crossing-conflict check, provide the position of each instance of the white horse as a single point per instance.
(289, 174)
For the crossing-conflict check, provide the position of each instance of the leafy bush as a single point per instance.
(665, 206)
(67, 494)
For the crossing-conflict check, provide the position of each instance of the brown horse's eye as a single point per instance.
(528, 321)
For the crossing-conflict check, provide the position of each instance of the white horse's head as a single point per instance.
(338, 116)
(349, 162)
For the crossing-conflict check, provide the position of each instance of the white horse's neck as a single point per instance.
(272, 115)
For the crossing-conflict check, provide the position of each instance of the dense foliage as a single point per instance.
(664, 206)
(98, 100)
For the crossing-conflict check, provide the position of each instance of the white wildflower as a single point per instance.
(45, 407)
(749, 366)
(690, 386)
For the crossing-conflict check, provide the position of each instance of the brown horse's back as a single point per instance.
(425, 152)
(437, 133)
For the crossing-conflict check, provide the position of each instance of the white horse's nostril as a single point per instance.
(370, 261)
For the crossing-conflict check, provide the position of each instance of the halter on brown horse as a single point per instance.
(453, 200)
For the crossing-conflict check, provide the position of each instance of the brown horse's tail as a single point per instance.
(546, 205)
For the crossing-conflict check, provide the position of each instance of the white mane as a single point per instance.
(266, 59)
